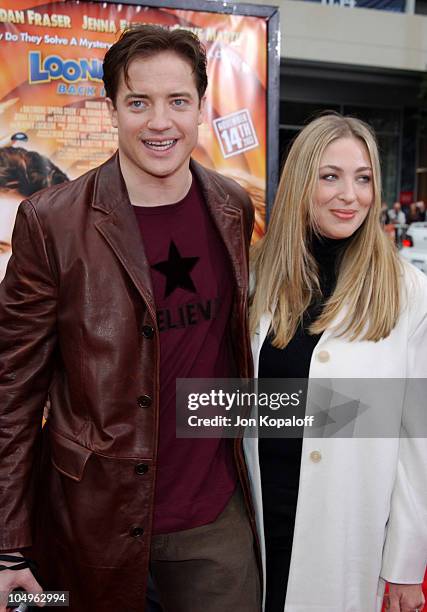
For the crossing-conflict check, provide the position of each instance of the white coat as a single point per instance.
(361, 516)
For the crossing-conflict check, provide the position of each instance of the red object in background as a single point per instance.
(406, 197)
(424, 589)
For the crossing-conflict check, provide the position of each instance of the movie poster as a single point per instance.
(52, 95)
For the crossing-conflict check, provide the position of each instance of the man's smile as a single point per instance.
(160, 145)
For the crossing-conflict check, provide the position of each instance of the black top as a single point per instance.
(280, 459)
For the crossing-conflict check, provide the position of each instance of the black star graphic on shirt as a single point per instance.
(177, 270)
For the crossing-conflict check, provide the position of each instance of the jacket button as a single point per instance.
(144, 401)
(316, 456)
(323, 356)
(136, 532)
(147, 331)
(141, 469)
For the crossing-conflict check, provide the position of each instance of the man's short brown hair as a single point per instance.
(146, 41)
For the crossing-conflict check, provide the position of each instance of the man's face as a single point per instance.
(9, 202)
(157, 114)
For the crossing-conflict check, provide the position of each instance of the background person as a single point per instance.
(413, 214)
(333, 300)
(384, 214)
(421, 210)
(396, 214)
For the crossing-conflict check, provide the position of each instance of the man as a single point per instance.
(421, 207)
(396, 215)
(122, 281)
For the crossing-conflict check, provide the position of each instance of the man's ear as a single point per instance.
(112, 110)
(202, 110)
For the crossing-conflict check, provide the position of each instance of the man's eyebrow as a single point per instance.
(180, 94)
(142, 96)
(136, 95)
(360, 169)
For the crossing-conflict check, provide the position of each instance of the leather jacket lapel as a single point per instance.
(228, 220)
(119, 227)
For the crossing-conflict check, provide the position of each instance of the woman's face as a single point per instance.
(9, 202)
(344, 190)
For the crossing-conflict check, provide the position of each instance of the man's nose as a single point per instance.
(159, 118)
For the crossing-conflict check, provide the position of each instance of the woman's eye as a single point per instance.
(328, 177)
(364, 178)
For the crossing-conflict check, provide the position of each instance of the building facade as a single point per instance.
(367, 62)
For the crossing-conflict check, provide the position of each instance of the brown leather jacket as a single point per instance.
(77, 318)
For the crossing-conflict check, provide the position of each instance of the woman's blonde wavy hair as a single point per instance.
(286, 273)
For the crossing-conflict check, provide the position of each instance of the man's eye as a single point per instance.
(179, 102)
(137, 104)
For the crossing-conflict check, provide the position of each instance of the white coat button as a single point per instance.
(323, 356)
(315, 456)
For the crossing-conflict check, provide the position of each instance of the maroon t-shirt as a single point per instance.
(193, 289)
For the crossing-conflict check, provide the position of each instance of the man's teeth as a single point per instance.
(160, 146)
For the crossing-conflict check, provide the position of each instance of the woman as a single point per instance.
(333, 300)
(22, 173)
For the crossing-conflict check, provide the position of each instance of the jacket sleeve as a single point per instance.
(27, 338)
(405, 549)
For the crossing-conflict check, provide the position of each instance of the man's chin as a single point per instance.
(164, 171)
